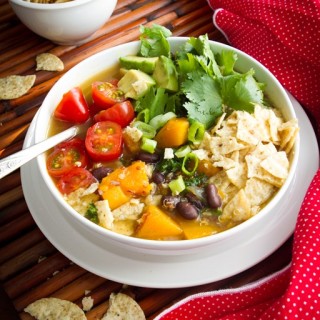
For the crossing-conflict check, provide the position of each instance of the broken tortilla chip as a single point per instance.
(49, 62)
(14, 86)
(54, 308)
(123, 307)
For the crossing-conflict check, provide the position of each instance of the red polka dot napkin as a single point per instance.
(284, 35)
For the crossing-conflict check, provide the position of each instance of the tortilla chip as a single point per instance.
(87, 303)
(263, 151)
(238, 208)
(238, 175)
(248, 129)
(123, 307)
(221, 146)
(13, 87)
(291, 142)
(288, 132)
(49, 62)
(218, 124)
(277, 165)
(225, 163)
(226, 130)
(274, 123)
(258, 191)
(266, 176)
(253, 165)
(220, 180)
(53, 309)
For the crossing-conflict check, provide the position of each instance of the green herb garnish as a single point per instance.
(92, 213)
(208, 82)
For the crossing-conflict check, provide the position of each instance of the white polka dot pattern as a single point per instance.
(291, 293)
(282, 35)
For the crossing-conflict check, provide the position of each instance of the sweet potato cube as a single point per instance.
(173, 134)
(115, 196)
(157, 225)
(125, 183)
(193, 230)
(135, 179)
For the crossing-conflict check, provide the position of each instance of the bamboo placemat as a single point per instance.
(30, 267)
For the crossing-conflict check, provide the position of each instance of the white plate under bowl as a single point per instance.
(170, 271)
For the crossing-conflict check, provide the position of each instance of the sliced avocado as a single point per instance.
(165, 74)
(135, 84)
(144, 64)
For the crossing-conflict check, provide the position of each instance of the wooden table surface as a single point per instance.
(24, 276)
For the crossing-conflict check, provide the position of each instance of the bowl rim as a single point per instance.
(174, 244)
(50, 6)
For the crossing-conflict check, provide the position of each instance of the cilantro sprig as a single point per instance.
(208, 82)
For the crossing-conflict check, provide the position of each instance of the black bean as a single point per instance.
(169, 202)
(158, 177)
(148, 157)
(213, 197)
(101, 172)
(187, 210)
(194, 200)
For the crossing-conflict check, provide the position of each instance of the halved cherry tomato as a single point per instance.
(106, 94)
(73, 107)
(67, 156)
(94, 109)
(75, 179)
(104, 141)
(121, 113)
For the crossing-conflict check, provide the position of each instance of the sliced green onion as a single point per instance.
(190, 161)
(161, 119)
(143, 116)
(182, 151)
(196, 131)
(147, 130)
(177, 186)
(148, 145)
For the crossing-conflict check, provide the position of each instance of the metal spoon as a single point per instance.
(16, 160)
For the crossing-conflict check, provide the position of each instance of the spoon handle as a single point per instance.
(16, 160)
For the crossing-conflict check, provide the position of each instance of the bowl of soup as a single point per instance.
(192, 147)
(65, 22)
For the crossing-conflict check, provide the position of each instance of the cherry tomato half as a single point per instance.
(67, 156)
(73, 107)
(75, 179)
(104, 141)
(106, 94)
(121, 113)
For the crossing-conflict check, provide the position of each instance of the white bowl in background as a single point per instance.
(221, 241)
(68, 23)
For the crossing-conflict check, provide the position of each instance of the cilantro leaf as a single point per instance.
(155, 100)
(226, 61)
(198, 179)
(204, 102)
(241, 91)
(92, 213)
(200, 47)
(166, 166)
(154, 41)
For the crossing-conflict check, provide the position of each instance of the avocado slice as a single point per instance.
(135, 84)
(145, 64)
(165, 74)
